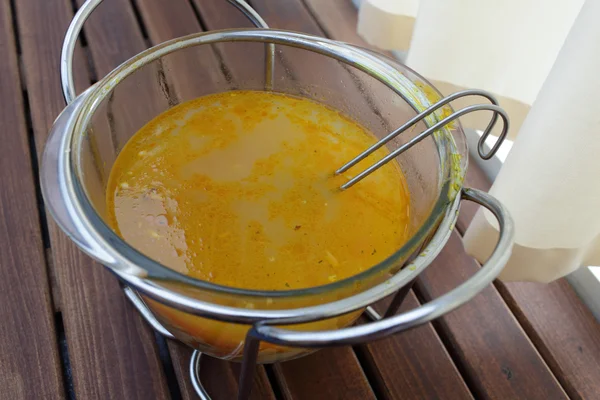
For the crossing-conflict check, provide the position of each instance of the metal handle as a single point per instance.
(494, 108)
(265, 331)
(68, 47)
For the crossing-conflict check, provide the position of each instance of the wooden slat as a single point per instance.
(289, 14)
(560, 325)
(327, 13)
(220, 378)
(240, 60)
(191, 76)
(113, 37)
(414, 364)
(29, 362)
(192, 72)
(331, 373)
(318, 374)
(112, 352)
(311, 70)
(498, 359)
(564, 331)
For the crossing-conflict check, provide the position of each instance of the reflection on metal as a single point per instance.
(195, 363)
(143, 309)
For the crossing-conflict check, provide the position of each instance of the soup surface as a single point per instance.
(238, 189)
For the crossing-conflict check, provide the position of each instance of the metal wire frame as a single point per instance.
(494, 108)
(88, 7)
(263, 328)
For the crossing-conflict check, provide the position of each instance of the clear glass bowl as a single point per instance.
(377, 92)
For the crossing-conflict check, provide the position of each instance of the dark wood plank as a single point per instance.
(320, 372)
(219, 377)
(29, 362)
(563, 329)
(309, 70)
(112, 352)
(113, 37)
(242, 62)
(498, 358)
(192, 76)
(331, 373)
(328, 14)
(180, 357)
(560, 325)
(413, 364)
(193, 72)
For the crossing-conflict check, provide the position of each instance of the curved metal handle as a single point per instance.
(493, 107)
(264, 331)
(68, 47)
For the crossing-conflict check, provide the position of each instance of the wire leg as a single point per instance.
(195, 375)
(248, 366)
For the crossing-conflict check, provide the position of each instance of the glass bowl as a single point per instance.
(375, 91)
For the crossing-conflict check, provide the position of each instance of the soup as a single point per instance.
(238, 189)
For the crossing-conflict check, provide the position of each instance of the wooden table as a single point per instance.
(66, 330)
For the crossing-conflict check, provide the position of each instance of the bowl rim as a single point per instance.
(364, 60)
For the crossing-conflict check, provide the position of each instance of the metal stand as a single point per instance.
(251, 350)
(266, 330)
(265, 324)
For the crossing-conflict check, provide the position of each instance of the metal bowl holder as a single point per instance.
(263, 323)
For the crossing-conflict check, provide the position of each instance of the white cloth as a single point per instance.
(506, 47)
(387, 24)
(550, 181)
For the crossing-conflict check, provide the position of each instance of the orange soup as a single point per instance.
(238, 188)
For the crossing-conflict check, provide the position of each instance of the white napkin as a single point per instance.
(505, 46)
(550, 181)
(387, 24)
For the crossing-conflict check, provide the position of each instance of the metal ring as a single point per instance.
(304, 314)
(70, 40)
